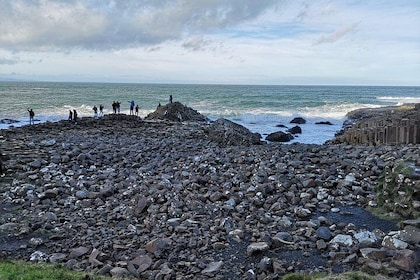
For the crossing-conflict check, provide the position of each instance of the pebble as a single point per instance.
(138, 198)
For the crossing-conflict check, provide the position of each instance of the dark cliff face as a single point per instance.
(176, 112)
(386, 125)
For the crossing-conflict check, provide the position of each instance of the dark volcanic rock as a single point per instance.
(228, 133)
(281, 125)
(168, 200)
(326, 123)
(298, 120)
(295, 130)
(279, 136)
(172, 112)
(386, 125)
(8, 121)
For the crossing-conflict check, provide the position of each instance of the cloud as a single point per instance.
(47, 25)
(338, 34)
(9, 61)
(196, 43)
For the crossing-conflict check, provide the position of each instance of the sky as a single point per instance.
(316, 42)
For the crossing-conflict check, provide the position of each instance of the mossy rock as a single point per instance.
(398, 189)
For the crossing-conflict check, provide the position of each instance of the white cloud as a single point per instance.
(45, 25)
(226, 41)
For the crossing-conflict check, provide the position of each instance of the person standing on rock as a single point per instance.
(132, 104)
(70, 115)
(101, 110)
(137, 110)
(114, 107)
(170, 99)
(95, 111)
(74, 116)
(31, 116)
(118, 104)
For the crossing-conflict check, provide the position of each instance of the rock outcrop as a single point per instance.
(228, 133)
(176, 112)
(387, 125)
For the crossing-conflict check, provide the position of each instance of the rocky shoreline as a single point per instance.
(158, 199)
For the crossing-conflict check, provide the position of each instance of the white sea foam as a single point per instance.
(399, 100)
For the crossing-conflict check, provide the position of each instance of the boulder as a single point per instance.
(326, 123)
(213, 267)
(256, 248)
(8, 121)
(279, 136)
(295, 130)
(323, 233)
(228, 133)
(298, 120)
(406, 260)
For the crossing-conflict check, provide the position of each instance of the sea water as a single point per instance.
(259, 108)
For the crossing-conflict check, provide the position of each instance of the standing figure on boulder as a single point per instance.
(118, 104)
(170, 99)
(101, 110)
(31, 116)
(74, 116)
(95, 111)
(137, 110)
(114, 107)
(132, 104)
(70, 115)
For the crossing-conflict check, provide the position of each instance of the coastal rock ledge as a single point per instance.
(386, 125)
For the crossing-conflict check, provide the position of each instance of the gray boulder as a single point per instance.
(295, 130)
(298, 120)
(228, 133)
(279, 136)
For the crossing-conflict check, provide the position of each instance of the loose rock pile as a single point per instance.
(162, 200)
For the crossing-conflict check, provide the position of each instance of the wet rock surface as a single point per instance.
(161, 200)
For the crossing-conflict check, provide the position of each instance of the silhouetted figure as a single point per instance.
(70, 115)
(74, 116)
(101, 110)
(95, 111)
(31, 116)
(137, 110)
(114, 107)
(118, 104)
(170, 98)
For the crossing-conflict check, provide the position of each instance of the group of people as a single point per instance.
(134, 108)
(116, 108)
(73, 116)
(97, 115)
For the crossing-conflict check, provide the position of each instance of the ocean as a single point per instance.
(259, 108)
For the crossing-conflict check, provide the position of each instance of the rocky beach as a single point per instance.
(163, 199)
